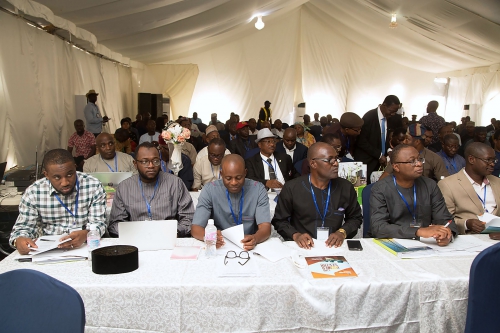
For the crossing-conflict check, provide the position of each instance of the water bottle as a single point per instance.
(210, 239)
(93, 239)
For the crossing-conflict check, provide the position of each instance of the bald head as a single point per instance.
(233, 172)
(233, 160)
(476, 149)
(105, 144)
(316, 149)
(103, 137)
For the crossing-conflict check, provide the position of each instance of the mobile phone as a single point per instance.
(354, 245)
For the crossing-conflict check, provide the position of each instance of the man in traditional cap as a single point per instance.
(242, 144)
(93, 114)
(347, 129)
(216, 122)
(210, 134)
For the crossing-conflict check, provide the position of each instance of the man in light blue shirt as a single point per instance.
(93, 114)
(231, 201)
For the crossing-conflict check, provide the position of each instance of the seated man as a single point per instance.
(186, 173)
(208, 168)
(278, 128)
(446, 129)
(289, 145)
(453, 162)
(84, 143)
(333, 140)
(151, 135)
(64, 202)
(210, 133)
(270, 168)
(242, 144)
(133, 134)
(123, 143)
(151, 195)
(319, 205)
(108, 159)
(473, 191)
(407, 205)
(231, 201)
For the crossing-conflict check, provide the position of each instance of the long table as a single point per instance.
(390, 295)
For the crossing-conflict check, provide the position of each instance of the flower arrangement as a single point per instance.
(175, 134)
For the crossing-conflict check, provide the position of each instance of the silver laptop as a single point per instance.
(111, 178)
(149, 235)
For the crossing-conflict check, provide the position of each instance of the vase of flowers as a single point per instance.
(175, 134)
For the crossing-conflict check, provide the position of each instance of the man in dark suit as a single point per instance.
(296, 150)
(373, 141)
(269, 167)
(242, 144)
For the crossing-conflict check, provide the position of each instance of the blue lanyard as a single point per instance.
(148, 204)
(163, 166)
(116, 164)
(274, 169)
(347, 142)
(76, 199)
(483, 201)
(325, 209)
(452, 161)
(211, 166)
(406, 202)
(242, 200)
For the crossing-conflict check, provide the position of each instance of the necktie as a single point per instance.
(383, 136)
(272, 175)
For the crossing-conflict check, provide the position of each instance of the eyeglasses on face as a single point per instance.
(232, 255)
(156, 162)
(489, 161)
(333, 160)
(452, 146)
(413, 162)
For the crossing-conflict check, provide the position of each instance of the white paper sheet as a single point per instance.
(47, 243)
(235, 235)
(468, 243)
(490, 219)
(273, 250)
(319, 248)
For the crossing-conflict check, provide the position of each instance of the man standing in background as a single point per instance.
(93, 114)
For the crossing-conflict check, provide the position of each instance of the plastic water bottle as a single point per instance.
(93, 239)
(210, 239)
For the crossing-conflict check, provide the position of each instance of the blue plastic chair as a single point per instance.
(365, 199)
(484, 297)
(36, 302)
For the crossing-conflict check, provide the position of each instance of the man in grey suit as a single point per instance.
(407, 205)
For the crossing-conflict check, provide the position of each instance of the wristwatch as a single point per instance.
(341, 230)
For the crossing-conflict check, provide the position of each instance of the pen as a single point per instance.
(447, 224)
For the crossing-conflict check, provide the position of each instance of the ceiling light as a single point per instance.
(259, 25)
(393, 23)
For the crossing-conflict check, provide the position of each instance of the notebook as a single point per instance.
(149, 235)
(111, 178)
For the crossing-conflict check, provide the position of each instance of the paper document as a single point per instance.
(318, 249)
(234, 267)
(492, 223)
(47, 243)
(410, 243)
(467, 243)
(272, 249)
(235, 234)
(61, 255)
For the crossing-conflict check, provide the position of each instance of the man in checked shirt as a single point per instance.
(63, 202)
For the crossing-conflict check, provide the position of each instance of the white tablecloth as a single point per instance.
(390, 295)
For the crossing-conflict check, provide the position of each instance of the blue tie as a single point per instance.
(383, 136)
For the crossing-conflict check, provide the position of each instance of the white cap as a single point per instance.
(93, 227)
(211, 222)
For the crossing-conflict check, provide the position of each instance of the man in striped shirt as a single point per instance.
(63, 202)
(151, 195)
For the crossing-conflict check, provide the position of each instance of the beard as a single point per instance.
(148, 176)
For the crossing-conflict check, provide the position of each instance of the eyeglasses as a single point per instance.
(216, 155)
(490, 161)
(156, 162)
(268, 142)
(232, 255)
(413, 162)
(331, 161)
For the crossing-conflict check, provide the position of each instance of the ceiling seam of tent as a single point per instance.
(473, 13)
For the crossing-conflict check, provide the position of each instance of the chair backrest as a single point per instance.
(36, 302)
(365, 200)
(251, 152)
(484, 297)
(298, 166)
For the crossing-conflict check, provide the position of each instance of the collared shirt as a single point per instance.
(204, 172)
(213, 203)
(96, 163)
(40, 213)
(171, 202)
(250, 132)
(278, 133)
(434, 122)
(434, 166)
(93, 118)
(490, 203)
(276, 167)
(83, 144)
(149, 138)
(453, 164)
(290, 152)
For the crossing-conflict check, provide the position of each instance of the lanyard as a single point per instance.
(483, 201)
(148, 204)
(406, 202)
(274, 169)
(242, 200)
(452, 161)
(211, 166)
(116, 164)
(76, 199)
(347, 142)
(163, 166)
(325, 209)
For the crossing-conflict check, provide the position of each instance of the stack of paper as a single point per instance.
(492, 223)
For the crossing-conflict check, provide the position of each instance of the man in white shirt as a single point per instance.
(252, 127)
(316, 121)
(210, 134)
(151, 135)
(207, 169)
(278, 129)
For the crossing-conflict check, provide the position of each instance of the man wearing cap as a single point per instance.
(93, 114)
(242, 144)
(265, 112)
(289, 145)
(373, 141)
(219, 125)
(348, 129)
(270, 168)
(207, 169)
(108, 159)
(433, 166)
(432, 121)
(210, 134)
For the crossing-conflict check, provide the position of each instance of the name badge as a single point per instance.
(322, 233)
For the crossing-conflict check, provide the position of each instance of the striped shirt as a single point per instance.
(40, 213)
(171, 202)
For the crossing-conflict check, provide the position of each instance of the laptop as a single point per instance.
(149, 235)
(111, 178)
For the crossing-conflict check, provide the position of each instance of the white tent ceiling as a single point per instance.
(432, 35)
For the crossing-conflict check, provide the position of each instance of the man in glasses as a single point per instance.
(270, 168)
(433, 164)
(320, 207)
(107, 158)
(234, 200)
(473, 191)
(407, 205)
(151, 195)
(208, 169)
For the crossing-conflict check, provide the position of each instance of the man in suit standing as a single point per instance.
(473, 191)
(270, 168)
(296, 150)
(371, 146)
